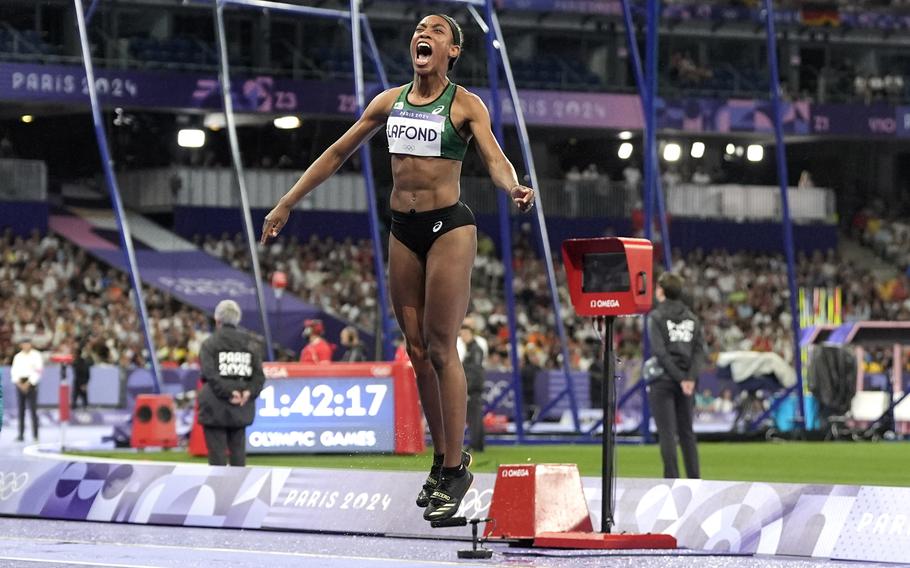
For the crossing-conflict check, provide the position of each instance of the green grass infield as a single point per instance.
(882, 463)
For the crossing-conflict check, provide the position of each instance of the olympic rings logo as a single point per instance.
(475, 503)
(11, 483)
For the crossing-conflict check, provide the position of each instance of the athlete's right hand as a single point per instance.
(274, 222)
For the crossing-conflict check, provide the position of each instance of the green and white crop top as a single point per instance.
(425, 130)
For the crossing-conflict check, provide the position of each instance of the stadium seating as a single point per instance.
(181, 50)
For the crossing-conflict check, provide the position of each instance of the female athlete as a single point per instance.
(429, 123)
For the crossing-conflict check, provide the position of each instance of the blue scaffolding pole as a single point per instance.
(540, 220)
(647, 88)
(650, 165)
(786, 222)
(126, 240)
(366, 161)
(505, 226)
(358, 23)
(241, 179)
(653, 192)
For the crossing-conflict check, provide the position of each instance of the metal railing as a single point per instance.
(749, 202)
(161, 189)
(561, 198)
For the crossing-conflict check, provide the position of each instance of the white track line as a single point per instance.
(57, 562)
(236, 550)
(41, 451)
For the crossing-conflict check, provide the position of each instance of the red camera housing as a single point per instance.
(609, 276)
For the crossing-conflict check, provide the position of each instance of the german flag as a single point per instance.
(820, 14)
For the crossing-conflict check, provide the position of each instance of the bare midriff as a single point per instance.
(424, 184)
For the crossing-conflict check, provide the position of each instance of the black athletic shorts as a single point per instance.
(418, 231)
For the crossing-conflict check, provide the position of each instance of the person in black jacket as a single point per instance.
(472, 360)
(82, 371)
(232, 376)
(350, 340)
(679, 350)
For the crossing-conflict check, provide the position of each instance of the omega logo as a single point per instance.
(604, 303)
(515, 473)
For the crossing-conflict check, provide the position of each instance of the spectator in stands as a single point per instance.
(671, 178)
(317, 349)
(6, 148)
(805, 180)
(704, 401)
(685, 72)
(350, 340)
(701, 177)
(25, 372)
(434, 238)
(724, 403)
(232, 376)
(591, 173)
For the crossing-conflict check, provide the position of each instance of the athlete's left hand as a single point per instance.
(523, 197)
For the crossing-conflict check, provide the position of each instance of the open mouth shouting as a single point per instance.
(422, 53)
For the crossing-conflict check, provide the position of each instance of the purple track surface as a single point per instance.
(30, 542)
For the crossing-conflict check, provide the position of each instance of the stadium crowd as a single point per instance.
(59, 297)
(889, 238)
(742, 298)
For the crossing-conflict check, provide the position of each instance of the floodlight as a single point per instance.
(625, 150)
(286, 122)
(755, 153)
(191, 138)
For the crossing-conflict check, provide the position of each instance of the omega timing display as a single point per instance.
(604, 272)
(324, 415)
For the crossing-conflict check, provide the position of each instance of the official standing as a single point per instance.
(26, 374)
(232, 376)
(679, 349)
(82, 372)
(472, 357)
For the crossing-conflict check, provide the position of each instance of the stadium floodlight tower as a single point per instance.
(497, 59)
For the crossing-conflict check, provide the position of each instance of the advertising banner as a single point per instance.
(855, 120)
(735, 115)
(268, 94)
(195, 278)
(602, 7)
(823, 521)
(130, 88)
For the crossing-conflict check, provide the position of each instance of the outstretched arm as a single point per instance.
(501, 170)
(374, 116)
